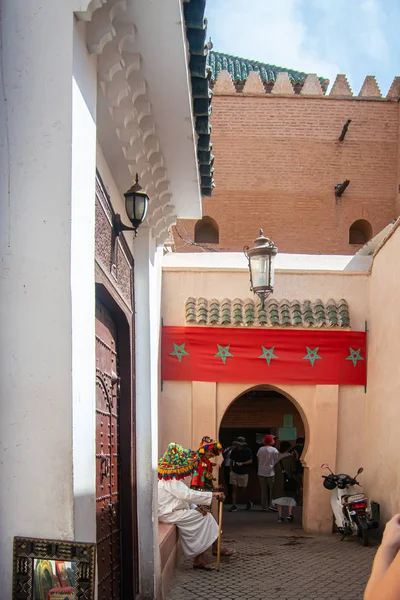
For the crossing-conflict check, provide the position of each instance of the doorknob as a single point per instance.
(112, 509)
(115, 378)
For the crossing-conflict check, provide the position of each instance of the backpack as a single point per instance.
(289, 483)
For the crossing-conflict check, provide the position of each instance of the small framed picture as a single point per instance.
(53, 569)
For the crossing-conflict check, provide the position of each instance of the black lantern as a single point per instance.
(136, 203)
(261, 264)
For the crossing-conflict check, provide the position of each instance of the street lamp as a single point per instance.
(136, 203)
(261, 266)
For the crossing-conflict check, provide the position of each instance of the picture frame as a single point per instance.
(45, 568)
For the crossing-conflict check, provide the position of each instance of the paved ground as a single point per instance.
(277, 561)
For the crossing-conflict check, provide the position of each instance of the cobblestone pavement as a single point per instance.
(277, 561)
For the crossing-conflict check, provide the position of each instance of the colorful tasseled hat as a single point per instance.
(177, 462)
(208, 443)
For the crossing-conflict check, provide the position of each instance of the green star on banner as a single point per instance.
(268, 354)
(223, 353)
(354, 356)
(312, 355)
(179, 351)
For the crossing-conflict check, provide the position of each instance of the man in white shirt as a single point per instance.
(267, 457)
(185, 508)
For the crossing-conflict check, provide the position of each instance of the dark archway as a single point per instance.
(360, 232)
(253, 414)
(206, 231)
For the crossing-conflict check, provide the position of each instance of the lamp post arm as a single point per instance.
(119, 227)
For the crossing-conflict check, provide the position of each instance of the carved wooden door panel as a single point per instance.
(107, 457)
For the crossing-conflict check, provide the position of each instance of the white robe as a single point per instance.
(176, 504)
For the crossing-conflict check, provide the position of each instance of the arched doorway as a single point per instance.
(256, 412)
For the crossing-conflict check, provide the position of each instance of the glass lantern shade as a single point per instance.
(136, 204)
(261, 264)
(262, 272)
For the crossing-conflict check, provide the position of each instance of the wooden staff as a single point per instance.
(220, 509)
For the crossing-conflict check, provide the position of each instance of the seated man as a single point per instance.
(203, 477)
(178, 504)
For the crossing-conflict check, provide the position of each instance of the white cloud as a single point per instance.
(316, 36)
(273, 32)
(370, 35)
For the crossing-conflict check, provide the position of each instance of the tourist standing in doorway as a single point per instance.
(241, 461)
(227, 471)
(298, 451)
(299, 447)
(285, 484)
(266, 471)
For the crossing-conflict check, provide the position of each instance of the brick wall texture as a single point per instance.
(278, 159)
(261, 413)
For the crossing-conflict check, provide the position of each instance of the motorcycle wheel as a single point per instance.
(364, 536)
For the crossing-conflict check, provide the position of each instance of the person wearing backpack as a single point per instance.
(285, 484)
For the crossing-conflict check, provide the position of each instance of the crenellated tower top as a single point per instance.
(234, 75)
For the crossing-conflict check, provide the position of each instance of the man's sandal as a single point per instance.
(204, 567)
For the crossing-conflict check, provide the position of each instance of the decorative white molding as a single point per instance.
(113, 38)
(164, 230)
(161, 214)
(87, 8)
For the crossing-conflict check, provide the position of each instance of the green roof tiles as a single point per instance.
(283, 313)
(196, 28)
(239, 69)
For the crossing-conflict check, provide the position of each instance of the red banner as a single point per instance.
(263, 356)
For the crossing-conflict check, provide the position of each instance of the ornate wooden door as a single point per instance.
(107, 457)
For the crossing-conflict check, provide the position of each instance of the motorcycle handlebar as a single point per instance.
(349, 481)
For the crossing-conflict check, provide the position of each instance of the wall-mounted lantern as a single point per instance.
(136, 204)
(261, 265)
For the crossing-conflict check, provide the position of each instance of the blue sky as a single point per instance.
(355, 37)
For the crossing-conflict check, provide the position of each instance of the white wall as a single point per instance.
(155, 341)
(147, 332)
(84, 92)
(35, 310)
(47, 364)
(381, 477)
(112, 189)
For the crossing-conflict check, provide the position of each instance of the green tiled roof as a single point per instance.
(284, 313)
(196, 28)
(239, 69)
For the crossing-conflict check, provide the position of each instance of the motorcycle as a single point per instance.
(354, 515)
